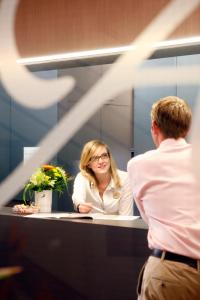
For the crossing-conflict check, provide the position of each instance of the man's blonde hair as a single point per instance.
(87, 152)
(173, 116)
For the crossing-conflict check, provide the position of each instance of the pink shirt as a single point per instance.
(168, 197)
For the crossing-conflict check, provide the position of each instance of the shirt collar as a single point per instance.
(170, 142)
(110, 186)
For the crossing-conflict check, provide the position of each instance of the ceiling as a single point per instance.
(48, 27)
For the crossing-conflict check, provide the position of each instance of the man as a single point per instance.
(168, 198)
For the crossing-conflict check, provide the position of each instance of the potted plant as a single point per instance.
(46, 179)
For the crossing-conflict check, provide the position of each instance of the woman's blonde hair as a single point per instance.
(88, 151)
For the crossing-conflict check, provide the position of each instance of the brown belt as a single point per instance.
(175, 257)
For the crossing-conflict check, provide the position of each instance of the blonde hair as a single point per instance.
(87, 152)
(173, 116)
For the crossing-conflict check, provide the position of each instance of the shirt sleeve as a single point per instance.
(126, 200)
(79, 190)
(132, 180)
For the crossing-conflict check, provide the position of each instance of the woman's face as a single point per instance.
(100, 161)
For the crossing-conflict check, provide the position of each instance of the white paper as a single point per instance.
(95, 216)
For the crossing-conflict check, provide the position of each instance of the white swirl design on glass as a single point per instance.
(121, 76)
(25, 88)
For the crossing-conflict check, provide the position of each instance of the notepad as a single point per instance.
(92, 216)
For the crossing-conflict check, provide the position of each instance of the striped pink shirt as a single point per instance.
(168, 197)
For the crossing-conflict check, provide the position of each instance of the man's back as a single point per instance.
(168, 197)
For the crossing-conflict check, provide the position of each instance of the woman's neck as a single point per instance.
(103, 181)
(103, 178)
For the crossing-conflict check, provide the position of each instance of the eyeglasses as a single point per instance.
(103, 156)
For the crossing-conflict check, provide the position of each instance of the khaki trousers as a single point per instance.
(167, 280)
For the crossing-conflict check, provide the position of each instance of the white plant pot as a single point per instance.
(44, 200)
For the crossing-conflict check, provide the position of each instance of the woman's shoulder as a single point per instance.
(122, 174)
(80, 177)
(81, 181)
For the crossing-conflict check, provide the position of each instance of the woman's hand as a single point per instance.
(84, 208)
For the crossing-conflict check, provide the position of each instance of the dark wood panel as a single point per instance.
(48, 26)
(190, 27)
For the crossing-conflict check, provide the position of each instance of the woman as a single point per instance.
(100, 187)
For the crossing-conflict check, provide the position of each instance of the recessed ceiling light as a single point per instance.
(104, 52)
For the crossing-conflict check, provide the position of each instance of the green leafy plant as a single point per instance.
(48, 177)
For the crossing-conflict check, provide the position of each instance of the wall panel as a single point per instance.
(5, 107)
(144, 97)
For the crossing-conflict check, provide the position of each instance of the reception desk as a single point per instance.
(71, 259)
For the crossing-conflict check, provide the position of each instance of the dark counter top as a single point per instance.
(138, 223)
(77, 259)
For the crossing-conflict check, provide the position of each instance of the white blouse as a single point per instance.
(114, 201)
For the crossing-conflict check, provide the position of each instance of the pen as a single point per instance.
(96, 208)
